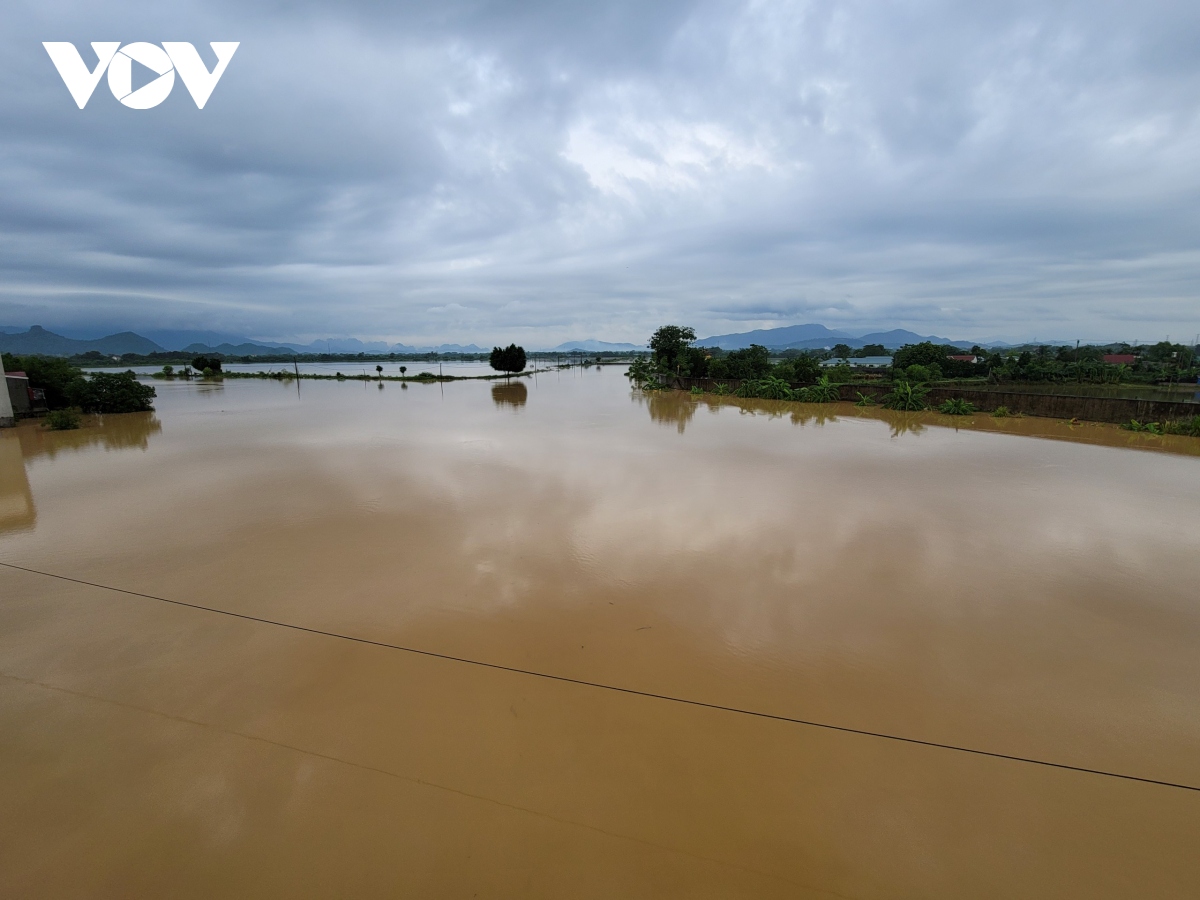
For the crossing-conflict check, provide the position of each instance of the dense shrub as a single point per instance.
(200, 363)
(906, 396)
(112, 392)
(63, 420)
(752, 363)
(921, 373)
(839, 374)
(804, 369)
(769, 388)
(640, 371)
(929, 354)
(957, 407)
(1190, 427)
(824, 391)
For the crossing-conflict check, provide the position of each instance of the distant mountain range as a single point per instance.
(38, 340)
(594, 346)
(817, 337)
(804, 337)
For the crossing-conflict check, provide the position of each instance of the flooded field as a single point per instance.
(391, 368)
(706, 584)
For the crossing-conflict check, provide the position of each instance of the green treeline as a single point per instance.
(675, 353)
(66, 386)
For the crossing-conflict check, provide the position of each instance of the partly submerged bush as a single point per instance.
(1001, 412)
(1190, 427)
(640, 371)
(769, 388)
(1147, 428)
(63, 420)
(864, 399)
(906, 396)
(697, 391)
(721, 389)
(824, 391)
(113, 392)
(957, 407)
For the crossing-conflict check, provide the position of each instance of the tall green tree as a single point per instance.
(753, 362)
(510, 359)
(670, 344)
(805, 369)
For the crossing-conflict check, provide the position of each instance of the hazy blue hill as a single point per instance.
(37, 340)
(593, 346)
(898, 337)
(790, 336)
(818, 337)
(342, 345)
(179, 340)
(247, 349)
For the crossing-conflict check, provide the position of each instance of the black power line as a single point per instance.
(616, 688)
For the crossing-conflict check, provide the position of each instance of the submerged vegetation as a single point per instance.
(63, 419)
(907, 396)
(957, 406)
(1188, 427)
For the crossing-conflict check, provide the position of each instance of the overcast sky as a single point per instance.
(538, 171)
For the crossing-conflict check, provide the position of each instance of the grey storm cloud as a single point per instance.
(480, 171)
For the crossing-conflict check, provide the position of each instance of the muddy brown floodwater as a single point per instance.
(1031, 594)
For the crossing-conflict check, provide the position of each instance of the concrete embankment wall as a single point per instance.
(1056, 406)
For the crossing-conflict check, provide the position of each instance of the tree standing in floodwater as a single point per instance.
(509, 360)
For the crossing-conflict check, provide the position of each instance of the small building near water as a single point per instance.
(7, 416)
(20, 399)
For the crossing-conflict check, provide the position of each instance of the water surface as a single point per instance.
(1029, 593)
